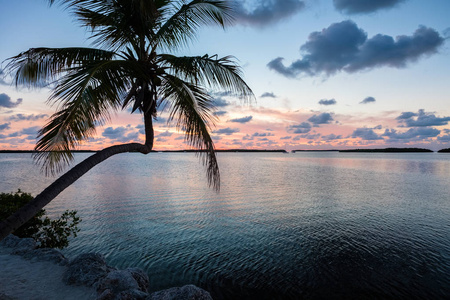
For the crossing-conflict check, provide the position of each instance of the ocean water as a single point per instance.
(284, 226)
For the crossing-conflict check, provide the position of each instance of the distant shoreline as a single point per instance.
(382, 150)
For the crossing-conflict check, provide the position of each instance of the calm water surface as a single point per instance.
(284, 226)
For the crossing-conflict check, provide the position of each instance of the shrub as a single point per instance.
(48, 233)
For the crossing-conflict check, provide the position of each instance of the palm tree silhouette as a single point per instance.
(131, 68)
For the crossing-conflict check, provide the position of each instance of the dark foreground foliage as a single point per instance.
(48, 233)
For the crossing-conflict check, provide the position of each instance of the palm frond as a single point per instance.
(37, 67)
(182, 26)
(209, 71)
(87, 95)
(191, 106)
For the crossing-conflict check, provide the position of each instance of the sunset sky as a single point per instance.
(327, 74)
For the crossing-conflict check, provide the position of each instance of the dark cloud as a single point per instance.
(220, 102)
(120, 134)
(242, 120)
(311, 136)
(323, 118)
(5, 101)
(345, 47)
(368, 100)
(165, 134)
(421, 119)
(219, 113)
(303, 127)
(263, 134)
(160, 120)
(331, 137)
(366, 134)
(5, 126)
(268, 95)
(444, 138)
(286, 137)
(412, 134)
(364, 6)
(22, 117)
(327, 102)
(113, 133)
(30, 132)
(406, 115)
(265, 12)
(226, 131)
(141, 128)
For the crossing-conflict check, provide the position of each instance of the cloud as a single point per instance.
(345, 47)
(368, 100)
(30, 132)
(120, 134)
(421, 119)
(226, 131)
(412, 134)
(364, 6)
(444, 138)
(311, 136)
(263, 134)
(165, 134)
(331, 137)
(286, 137)
(303, 127)
(406, 115)
(22, 117)
(5, 101)
(219, 113)
(366, 134)
(327, 102)
(241, 120)
(261, 13)
(220, 102)
(323, 118)
(268, 95)
(5, 126)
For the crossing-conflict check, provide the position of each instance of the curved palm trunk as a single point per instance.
(33, 207)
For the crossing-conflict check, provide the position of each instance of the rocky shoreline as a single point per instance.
(91, 270)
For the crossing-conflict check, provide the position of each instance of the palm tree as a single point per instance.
(131, 68)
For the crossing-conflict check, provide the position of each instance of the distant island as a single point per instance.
(390, 150)
(169, 151)
(312, 150)
(383, 150)
(447, 150)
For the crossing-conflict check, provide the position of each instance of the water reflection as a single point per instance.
(309, 225)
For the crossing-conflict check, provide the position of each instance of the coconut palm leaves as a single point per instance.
(132, 68)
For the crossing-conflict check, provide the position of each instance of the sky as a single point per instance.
(326, 74)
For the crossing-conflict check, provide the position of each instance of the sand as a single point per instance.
(36, 280)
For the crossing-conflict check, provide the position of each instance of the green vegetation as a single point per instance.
(446, 150)
(46, 232)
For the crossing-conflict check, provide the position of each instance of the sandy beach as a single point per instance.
(35, 280)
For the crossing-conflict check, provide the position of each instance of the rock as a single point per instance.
(46, 254)
(124, 295)
(10, 241)
(18, 244)
(123, 284)
(86, 269)
(187, 292)
(141, 278)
